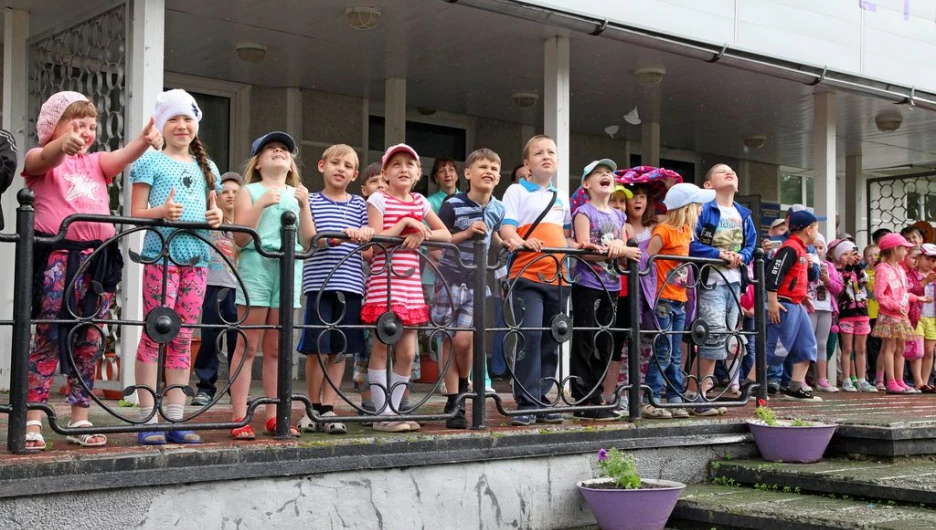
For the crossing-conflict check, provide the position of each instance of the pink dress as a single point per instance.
(401, 277)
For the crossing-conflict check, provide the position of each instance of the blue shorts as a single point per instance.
(330, 311)
(453, 305)
(794, 333)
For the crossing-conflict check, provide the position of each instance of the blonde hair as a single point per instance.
(538, 137)
(252, 173)
(341, 150)
(686, 216)
(482, 154)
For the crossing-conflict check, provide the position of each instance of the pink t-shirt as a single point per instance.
(77, 185)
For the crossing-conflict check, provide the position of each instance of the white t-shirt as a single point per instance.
(929, 309)
(729, 235)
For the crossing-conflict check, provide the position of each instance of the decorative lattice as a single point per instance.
(896, 202)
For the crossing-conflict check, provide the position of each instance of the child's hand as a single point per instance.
(748, 312)
(151, 135)
(773, 311)
(302, 196)
(926, 300)
(271, 197)
(616, 248)
(367, 233)
(631, 253)
(213, 215)
(72, 143)
(477, 227)
(412, 241)
(170, 209)
(360, 235)
(533, 244)
(807, 303)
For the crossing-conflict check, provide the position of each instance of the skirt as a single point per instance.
(888, 327)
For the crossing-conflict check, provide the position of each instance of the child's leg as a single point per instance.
(888, 347)
(377, 377)
(148, 350)
(403, 353)
(898, 356)
(206, 360)
(584, 348)
(822, 330)
(244, 354)
(673, 373)
(549, 348)
(860, 344)
(916, 365)
(848, 344)
(663, 349)
(527, 309)
(270, 342)
(719, 307)
(927, 369)
(188, 304)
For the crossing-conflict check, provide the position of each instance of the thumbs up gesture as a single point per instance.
(213, 215)
(72, 142)
(151, 135)
(172, 210)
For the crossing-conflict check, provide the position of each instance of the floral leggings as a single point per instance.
(44, 353)
(185, 292)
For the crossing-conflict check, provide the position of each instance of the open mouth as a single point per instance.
(605, 182)
(487, 178)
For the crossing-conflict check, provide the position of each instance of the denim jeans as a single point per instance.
(215, 310)
(720, 308)
(498, 359)
(667, 351)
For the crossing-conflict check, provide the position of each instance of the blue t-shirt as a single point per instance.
(334, 216)
(458, 213)
(162, 174)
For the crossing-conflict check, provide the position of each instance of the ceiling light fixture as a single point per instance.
(754, 141)
(650, 76)
(524, 99)
(251, 52)
(362, 18)
(888, 121)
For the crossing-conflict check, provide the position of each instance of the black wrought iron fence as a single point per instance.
(542, 394)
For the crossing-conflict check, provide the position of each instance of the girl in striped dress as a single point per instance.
(395, 285)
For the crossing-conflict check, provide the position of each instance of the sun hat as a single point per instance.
(893, 240)
(398, 148)
(275, 136)
(928, 249)
(52, 111)
(607, 162)
(684, 193)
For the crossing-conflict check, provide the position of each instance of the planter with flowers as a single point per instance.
(621, 500)
(794, 441)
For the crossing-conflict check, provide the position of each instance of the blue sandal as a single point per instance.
(151, 438)
(183, 437)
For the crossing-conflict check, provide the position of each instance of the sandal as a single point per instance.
(35, 437)
(307, 425)
(243, 433)
(271, 428)
(333, 428)
(183, 437)
(84, 439)
(151, 438)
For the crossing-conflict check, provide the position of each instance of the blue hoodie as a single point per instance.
(701, 246)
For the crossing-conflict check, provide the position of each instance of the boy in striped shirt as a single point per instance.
(334, 288)
(466, 215)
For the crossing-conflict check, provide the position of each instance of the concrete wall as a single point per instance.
(537, 493)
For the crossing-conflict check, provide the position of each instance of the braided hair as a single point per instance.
(198, 151)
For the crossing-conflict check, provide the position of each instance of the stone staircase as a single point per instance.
(898, 494)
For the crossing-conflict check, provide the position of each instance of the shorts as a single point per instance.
(453, 305)
(927, 328)
(261, 279)
(330, 311)
(856, 325)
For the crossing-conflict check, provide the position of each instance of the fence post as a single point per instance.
(633, 336)
(479, 360)
(760, 325)
(287, 290)
(22, 308)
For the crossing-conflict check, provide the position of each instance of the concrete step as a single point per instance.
(720, 506)
(907, 480)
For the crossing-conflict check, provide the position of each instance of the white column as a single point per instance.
(145, 80)
(395, 112)
(15, 33)
(556, 103)
(824, 160)
(852, 220)
(294, 113)
(650, 143)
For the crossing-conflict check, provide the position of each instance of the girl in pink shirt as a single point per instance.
(67, 180)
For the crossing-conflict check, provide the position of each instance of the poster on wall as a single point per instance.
(769, 212)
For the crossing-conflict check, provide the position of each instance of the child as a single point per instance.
(854, 325)
(822, 294)
(178, 184)
(892, 326)
(333, 282)
(913, 349)
(67, 180)
(397, 212)
(872, 256)
(465, 215)
(726, 232)
(534, 298)
(595, 293)
(273, 188)
(913, 235)
(927, 326)
(672, 237)
(786, 282)
(218, 307)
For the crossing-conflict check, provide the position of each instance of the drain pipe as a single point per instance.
(789, 70)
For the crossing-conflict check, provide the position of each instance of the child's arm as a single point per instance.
(583, 237)
(140, 207)
(750, 240)
(114, 162)
(834, 281)
(439, 231)
(306, 224)
(40, 161)
(247, 212)
(656, 243)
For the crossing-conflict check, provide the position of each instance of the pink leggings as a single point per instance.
(185, 292)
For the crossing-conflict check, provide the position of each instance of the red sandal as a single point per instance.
(271, 428)
(243, 433)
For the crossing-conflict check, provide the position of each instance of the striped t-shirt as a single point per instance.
(458, 213)
(334, 216)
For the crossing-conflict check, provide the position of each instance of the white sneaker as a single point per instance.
(824, 386)
(849, 387)
(864, 386)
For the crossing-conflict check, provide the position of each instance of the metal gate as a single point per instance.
(897, 201)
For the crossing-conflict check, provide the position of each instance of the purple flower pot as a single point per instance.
(643, 509)
(785, 443)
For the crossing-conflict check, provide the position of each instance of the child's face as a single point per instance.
(338, 171)
(809, 235)
(925, 264)
(522, 173)
(600, 181)
(912, 258)
(483, 175)
(853, 257)
(872, 255)
(86, 128)
(914, 238)
(723, 178)
(228, 193)
(373, 184)
(542, 160)
(820, 249)
(447, 178)
(402, 172)
(618, 201)
(637, 205)
(900, 253)
(274, 155)
(180, 131)
(778, 230)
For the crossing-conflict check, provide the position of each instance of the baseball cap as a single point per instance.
(893, 240)
(801, 219)
(620, 188)
(275, 136)
(232, 175)
(777, 222)
(929, 250)
(603, 162)
(398, 148)
(802, 208)
(684, 193)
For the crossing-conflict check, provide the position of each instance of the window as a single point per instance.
(920, 206)
(797, 189)
(214, 130)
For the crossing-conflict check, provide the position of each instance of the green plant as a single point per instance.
(621, 468)
(766, 415)
(800, 423)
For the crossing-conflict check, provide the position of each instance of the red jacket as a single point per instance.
(788, 272)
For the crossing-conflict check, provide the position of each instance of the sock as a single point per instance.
(378, 393)
(879, 377)
(861, 380)
(396, 396)
(146, 411)
(450, 402)
(317, 407)
(174, 412)
(462, 385)
(325, 409)
(795, 385)
(823, 382)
